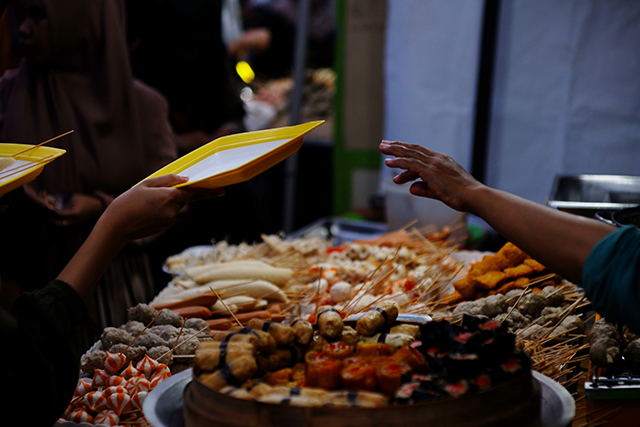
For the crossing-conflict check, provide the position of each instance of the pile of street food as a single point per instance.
(373, 364)
(420, 272)
(303, 320)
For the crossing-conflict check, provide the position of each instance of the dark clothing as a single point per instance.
(40, 355)
(177, 48)
(611, 277)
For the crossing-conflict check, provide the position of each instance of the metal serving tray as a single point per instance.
(340, 230)
(587, 194)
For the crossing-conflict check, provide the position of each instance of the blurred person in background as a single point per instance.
(179, 48)
(75, 75)
(270, 34)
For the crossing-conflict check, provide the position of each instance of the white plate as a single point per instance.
(163, 405)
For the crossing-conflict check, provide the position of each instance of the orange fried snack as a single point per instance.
(465, 287)
(536, 267)
(510, 255)
(490, 280)
(519, 283)
(486, 264)
(518, 271)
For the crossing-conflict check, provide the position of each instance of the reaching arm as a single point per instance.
(559, 240)
(142, 211)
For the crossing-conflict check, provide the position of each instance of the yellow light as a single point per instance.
(245, 71)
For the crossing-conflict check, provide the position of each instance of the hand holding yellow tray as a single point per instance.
(239, 157)
(30, 160)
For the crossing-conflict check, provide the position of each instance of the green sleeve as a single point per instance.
(611, 277)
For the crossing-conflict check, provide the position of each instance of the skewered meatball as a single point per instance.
(168, 317)
(186, 347)
(133, 353)
(197, 324)
(554, 295)
(92, 360)
(532, 304)
(112, 336)
(134, 327)
(605, 352)
(142, 313)
(150, 340)
(160, 353)
(494, 305)
(514, 321)
(512, 296)
(602, 330)
(550, 314)
(472, 308)
(632, 352)
(571, 323)
(169, 333)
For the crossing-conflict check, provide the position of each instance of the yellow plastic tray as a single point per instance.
(239, 157)
(27, 166)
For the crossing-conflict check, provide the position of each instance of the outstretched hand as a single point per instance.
(151, 206)
(436, 175)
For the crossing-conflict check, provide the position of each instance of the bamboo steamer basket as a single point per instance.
(512, 403)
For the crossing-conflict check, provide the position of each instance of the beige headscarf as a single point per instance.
(121, 129)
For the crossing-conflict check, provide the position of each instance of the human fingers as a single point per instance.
(404, 149)
(405, 176)
(168, 180)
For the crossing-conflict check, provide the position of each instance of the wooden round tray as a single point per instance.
(513, 403)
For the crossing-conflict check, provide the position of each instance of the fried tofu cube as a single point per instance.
(510, 255)
(490, 280)
(518, 271)
(536, 267)
(465, 287)
(486, 264)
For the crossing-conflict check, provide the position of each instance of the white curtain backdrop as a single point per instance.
(566, 93)
(431, 50)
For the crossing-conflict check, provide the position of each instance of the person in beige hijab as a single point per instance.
(75, 75)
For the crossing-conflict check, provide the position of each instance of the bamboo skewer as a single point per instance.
(227, 307)
(42, 143)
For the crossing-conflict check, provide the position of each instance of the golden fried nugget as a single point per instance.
(535, 265)
(519, 283)
(510, 255)
(453, 298)
(486, 264)
(518, 271)
(490, 280)
(465, 288)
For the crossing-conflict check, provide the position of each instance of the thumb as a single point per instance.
(165, 181)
